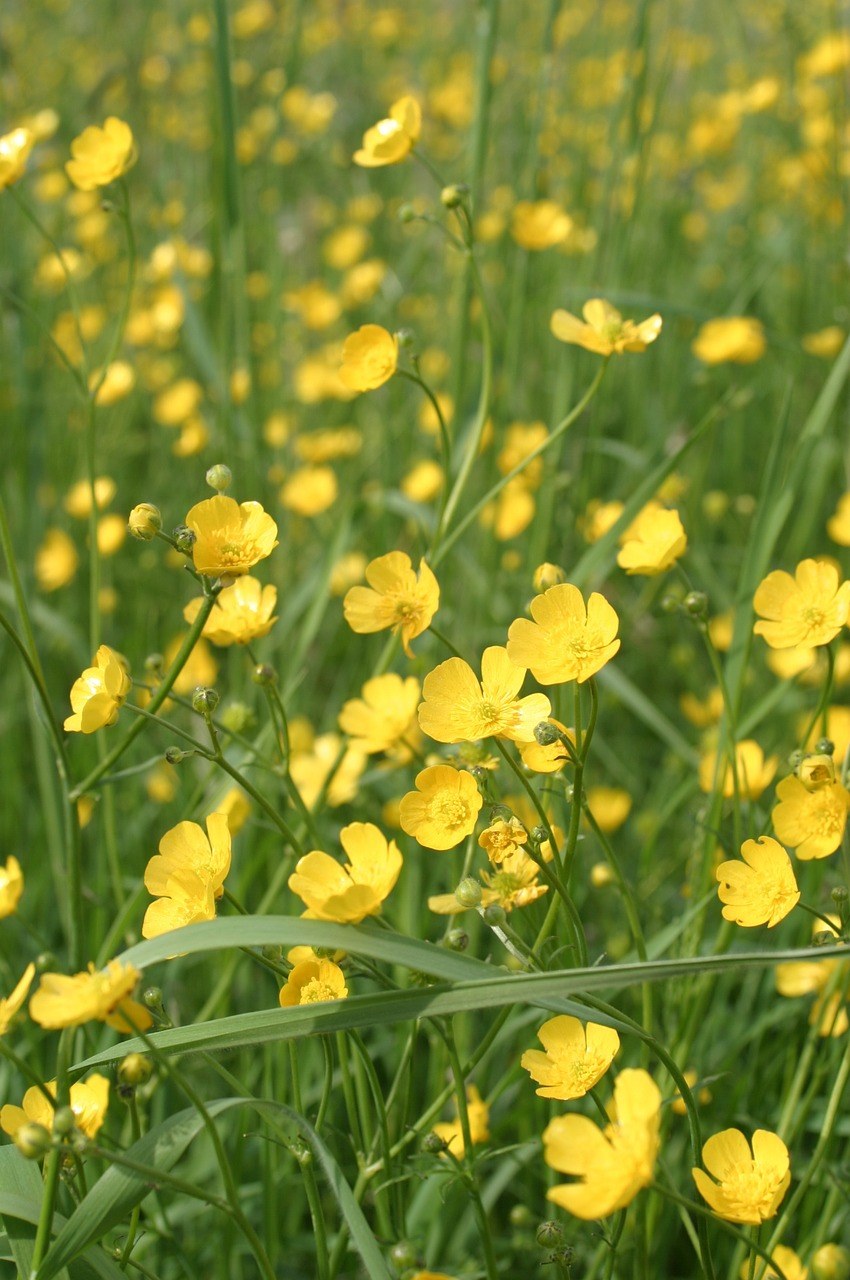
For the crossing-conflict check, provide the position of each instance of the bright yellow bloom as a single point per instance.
(785, 1258)
(395, 598)
(443, 809)
(810, 822)
(459, 708)
(310, 769)
(242, 613)
(99, 693)
(230, 537)
(604, 331)
(760, 890)
(576, 1057)
(62, 1001)
(540, 224)
(10, 1005)
(15, 148)
(313, 982)
(567, 640)
(347, 894)
(746, 1185)
(187, 875)
(609, 807)
(736, 339)
(838, 525)
(384, 716)
(11, 886)
(514, 883)
(369, 358)
(753, 770)
(809, 609)
(614, 1163)
(479, 1119)
(501, 839)
(392, 139)
(653, 541)
(88, 1099)
(56, 560)
(100, 155)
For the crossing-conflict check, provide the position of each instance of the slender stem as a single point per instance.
(468, 1159)
(136, 1127)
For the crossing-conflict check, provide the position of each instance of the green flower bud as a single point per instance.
(433, 1144)
(205, 700)
(135, 1069)
(831, 1262)
(550, 1235)
(457, 940)
(546, 734)
(33, 1141)
(219, 477)
(404, 1255)
(406, 213)
(468, 892)
(695, 604)
(520, 1216)
(174, 755)
(64, 1121)
(264, 674)
(184, 539)
(145, 521)
(494, 914)
(153, 999)
(452, 196)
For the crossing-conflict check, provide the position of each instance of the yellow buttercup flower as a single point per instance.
(56, 560)
(11, 1004)
(88, 1099)
(604, 331)
(187, 875)
(810, 822)
(230, 537)
(540, 224)
(514, 883)
(11, 886)
(313, 982)
(391, 140)
(443, 809)
(242, 613)
(479, 1124)
(754, 772)
(760, 890)
(838, 524)
(730, 339)
(100, 155)
(611, 1164)
(653, 541)
(327, 757)
(347, 894)
(785, 1258)
(310, 490)
(825, 343)
(746, 1185)
(78, 500)
(459, 708)
(384, 716)
(809, 609)
(502, 838)
(369, 358)
(102, 994)
(609, 807)
(396, 598)
(99, 693)
(567, 640)
(15, 148)
(813, 977)
(576, 1057)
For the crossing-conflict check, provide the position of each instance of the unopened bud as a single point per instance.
(546, 734)
(695, 603)
(548, 575)
(145, 521)
(219, 477)
(264, 674)
(468, 892)
(154, 664)
(816, 771)
(457, 940)
(174, 755)
(453, 195)
(520, 1216)
(403, 1255)
(64, 1121)
(406, 213)
(33, 1141)
(669, 604)
(494, 915)
(135, 1069)
(153, 1000)
(184, 539)
(432, 1144)
(550, 1235)
(205, 700)
(825, 747)
(831, 1262)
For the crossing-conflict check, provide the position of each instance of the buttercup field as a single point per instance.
(424, 666)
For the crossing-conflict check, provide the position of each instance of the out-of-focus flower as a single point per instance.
(56, 560)
(825, 343)
(745, 1185)
(653, 541)
(604, 331)
(787, 1259)
(576, 1057)
(392, 139)
(310, 490)
(479, 1121)
(609, 807)
(762, 889)
(99, 693)
(384, 716)
(540, 224)
(735, 339)
(102, 994)
(369, 358)
(11, 886)
(11, 1004)
(754, 772)
(100, 155)
(15, 148)
(838, 525)
(88, 1099)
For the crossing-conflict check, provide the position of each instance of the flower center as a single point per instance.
(315, 991)
(749, 1189)
(449, 809)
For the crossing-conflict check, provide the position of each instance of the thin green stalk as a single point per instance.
(136, 1129)
(308, 1173)
(467, 1163)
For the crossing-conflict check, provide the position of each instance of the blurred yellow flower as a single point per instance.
(15, 148)
(396, 598)
(384, 716)
(56, 560)
(746, 1185)
(604, 331)
(104, 994)
(313, 982)
(242, 613)
(479, 1121)
(111, 533)
(813, 977)
(10, 1005)
(459, 708)
(809, 609)
(78, 498)
(736, 339)
(810, 822)
(310, 490)
(443, 809)
(609, 807)
(11, 886)
(567, 640)
(347, 894)
(326, 758)
(116, 383)
(785, 1258)
(88, 1099)
(540, 224)
(576, 1057)
(830, 1262)
(100, 155)
(838, 524)
(230, 537)
(653, 541)
(392, 139)
(753, 770)
(760, 890)
(99, 693)
(825, 343)
(369, 358)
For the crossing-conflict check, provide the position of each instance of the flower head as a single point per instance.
(540, 224)
(11, 886)
(753, 771)
(614, 1163)
(99, 693)
(604, 331)
(369, 358)
(745, 1185)
(576, 1057)
(13, 1003)
(15, 148)
(809, 609)
(653, 541)
(347, 894)
(391, 140)
(100, 155)
(810, 822)
(230, 537)
(730, 339)
(88, 1099)
(451, 1131)
(313, 982)
(443, 809)
(242, 613)
(838, 524)
(62, 1001)
(187, 875)
(760, 890)
(312, 768)
(459, 708)
(384, 716)
(787, 1259)
(502, 838)
(567, 640)
(395, 598)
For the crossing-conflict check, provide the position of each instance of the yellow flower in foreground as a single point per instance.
(576, 1057)
(395, 598)
(15, 148)
(242, 613)
(11, 886)
(745, 1186)
(809, 609)
(230, 537)
(540, 224)
(838, 525)
(612, 1164)
(567, 640)
(653, 541)
(62, 1001)
(760, 890)
(187, 875)
(479, 1120)
(384, 716)
(811, 822)
(391, 139)
(785, 1258)
(753, 771)
(604, 330)
(348, 894)
(99, 693)
(443, 809)
(501, 839)
(369, 358)
(457, 708)
(12, 1003)
(100, 155)
(735, 339)
(88, 1099)
(312, 982)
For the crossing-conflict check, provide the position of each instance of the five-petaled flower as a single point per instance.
(567, 640)
(576, 1057)
(395, 598)
(746, 1185)
(347, 894)
(443, 809)
(760, 890)
(457, 707)
(313, 982)
(604, 331)
(230, 537)
(810, 822)
(100, 155)
(103, 994)
(809, 609)
(99, 693)
(242, 613)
